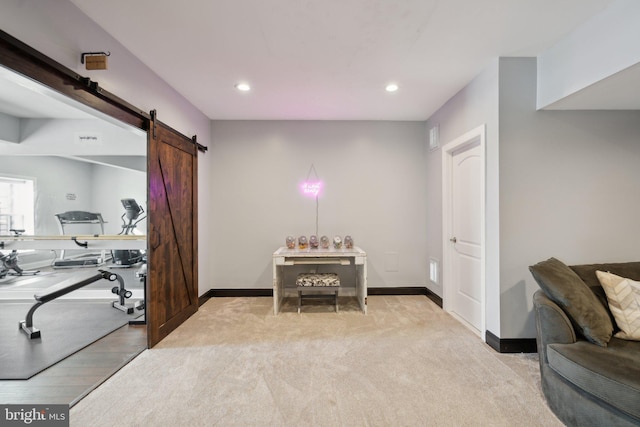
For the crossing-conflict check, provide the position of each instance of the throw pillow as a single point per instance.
(563, 286)
(624, 301)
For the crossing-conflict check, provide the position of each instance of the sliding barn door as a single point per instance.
(172, 281)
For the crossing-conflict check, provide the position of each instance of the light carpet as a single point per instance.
(233, 363)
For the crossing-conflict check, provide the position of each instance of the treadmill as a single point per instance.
(74, 219)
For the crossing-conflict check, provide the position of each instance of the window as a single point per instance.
(16, 205)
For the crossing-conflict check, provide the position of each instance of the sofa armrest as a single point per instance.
(552, 324)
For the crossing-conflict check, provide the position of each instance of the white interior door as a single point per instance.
(466, 221)
(463, 229)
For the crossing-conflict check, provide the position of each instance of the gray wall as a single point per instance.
(55, 177)
(374, 174)
(568, 181)
(110, 186)
(555, 172)
(96, 188)
(475, 105)
(566, 186)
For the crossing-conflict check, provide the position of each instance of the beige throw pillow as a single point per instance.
(624, 302)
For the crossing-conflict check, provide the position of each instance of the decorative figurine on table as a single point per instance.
(302, 242)
(348, 242)
(313, 242)
(324, 242)
(291, 242)
(337, 242)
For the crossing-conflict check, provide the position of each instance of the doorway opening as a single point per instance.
(77, 159)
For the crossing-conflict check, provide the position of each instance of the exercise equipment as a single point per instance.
(63, 288)
(74, 218)
(141, 274)
(127, 257)
(123, 294)
(91, 242)
(10, 262)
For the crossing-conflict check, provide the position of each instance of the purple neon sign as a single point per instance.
(311, 188)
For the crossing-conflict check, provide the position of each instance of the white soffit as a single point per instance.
(620, 91)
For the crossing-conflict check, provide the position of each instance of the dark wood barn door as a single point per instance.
(172, 278)
(172, 283)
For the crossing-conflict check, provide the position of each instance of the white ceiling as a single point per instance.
(23, 98)
(324, 59)
(313, 61)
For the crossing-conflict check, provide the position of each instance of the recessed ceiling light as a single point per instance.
(391, 87)
(243, 87)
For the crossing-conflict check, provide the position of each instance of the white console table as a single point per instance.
(284, 257)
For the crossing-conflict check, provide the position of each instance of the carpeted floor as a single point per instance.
(66, 327)
(406, 363)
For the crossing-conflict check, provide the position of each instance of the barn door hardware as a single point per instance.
(154, 118)
(95, 60)
(200, 147)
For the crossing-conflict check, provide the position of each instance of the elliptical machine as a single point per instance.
(128, 257)
(125, 258)
(10, 262)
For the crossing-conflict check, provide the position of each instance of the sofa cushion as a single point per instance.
(587, 273)
(624, 301)
(611, 374)
(563, 286)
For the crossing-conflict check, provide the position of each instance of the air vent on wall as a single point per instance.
(434, 138)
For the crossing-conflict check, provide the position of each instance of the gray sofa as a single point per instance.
(589, 377)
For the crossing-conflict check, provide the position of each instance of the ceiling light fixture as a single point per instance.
(391, 87)
(243, 87)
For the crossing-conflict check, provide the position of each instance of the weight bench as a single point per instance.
(58, 290)
(318, 285)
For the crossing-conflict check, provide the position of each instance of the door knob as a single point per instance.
(453, 239)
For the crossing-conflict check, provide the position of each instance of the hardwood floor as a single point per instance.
(71, 379)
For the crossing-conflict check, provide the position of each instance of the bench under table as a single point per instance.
(318, 285)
